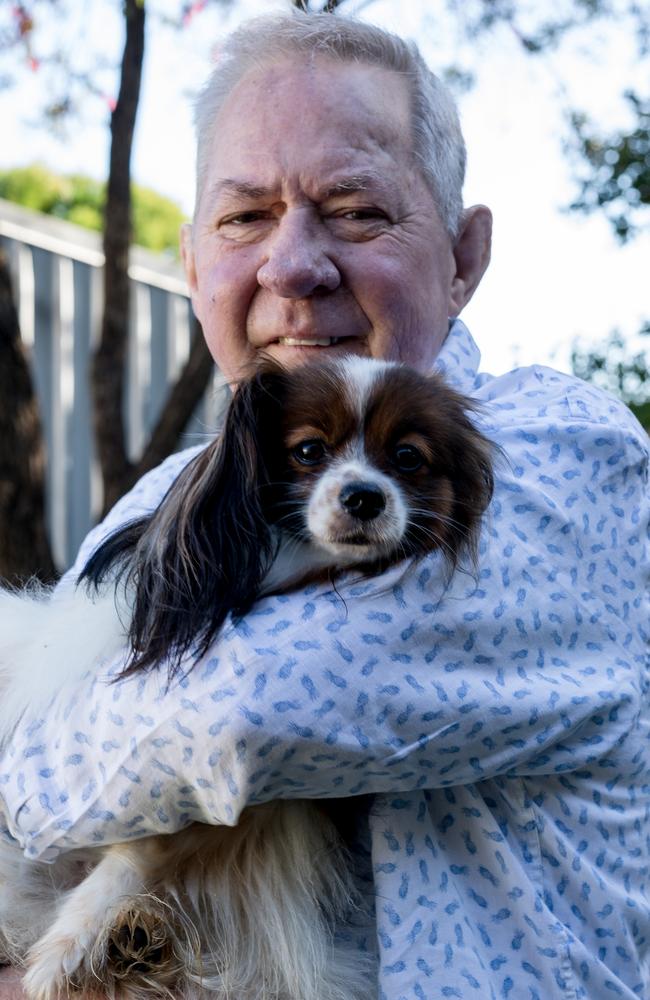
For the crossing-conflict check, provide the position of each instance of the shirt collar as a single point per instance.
(459, 358)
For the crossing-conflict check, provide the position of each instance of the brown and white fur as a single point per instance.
(328, 468)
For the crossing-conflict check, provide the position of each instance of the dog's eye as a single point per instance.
(309, 452)
(407, 458)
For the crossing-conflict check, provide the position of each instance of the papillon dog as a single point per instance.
(324, 469)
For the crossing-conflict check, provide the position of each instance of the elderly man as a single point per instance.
(496, 727)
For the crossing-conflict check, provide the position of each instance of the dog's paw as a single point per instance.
(57, 964)
(139, 943)
(133, 949)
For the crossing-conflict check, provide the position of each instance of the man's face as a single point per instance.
(315, 234)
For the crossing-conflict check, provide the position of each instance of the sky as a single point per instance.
(555, 277)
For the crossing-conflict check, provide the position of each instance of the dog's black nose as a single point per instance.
(363, 500)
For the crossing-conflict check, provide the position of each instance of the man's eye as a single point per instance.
(362, 215)
(242, 219)
(407, 458)
(310, 452)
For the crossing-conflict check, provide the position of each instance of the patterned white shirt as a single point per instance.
(499, 727)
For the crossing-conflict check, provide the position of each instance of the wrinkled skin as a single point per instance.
(315, 222)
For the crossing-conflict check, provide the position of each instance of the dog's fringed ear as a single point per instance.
(206, 549)
(110, 560)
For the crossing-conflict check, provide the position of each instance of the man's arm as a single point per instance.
(531, 666)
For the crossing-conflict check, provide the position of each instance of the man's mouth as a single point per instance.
(303, 342)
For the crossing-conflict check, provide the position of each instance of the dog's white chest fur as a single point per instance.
(49, 640)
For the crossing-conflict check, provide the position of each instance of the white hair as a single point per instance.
(438, 145)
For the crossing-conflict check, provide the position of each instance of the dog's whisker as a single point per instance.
(449, 522)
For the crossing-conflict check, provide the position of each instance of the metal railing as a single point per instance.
(57, 281)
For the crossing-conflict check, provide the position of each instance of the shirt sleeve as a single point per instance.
(531, 662)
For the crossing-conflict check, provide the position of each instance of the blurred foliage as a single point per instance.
(540, 28)
(610, 366)
(79, 199)
(617, 178)
(537, 27)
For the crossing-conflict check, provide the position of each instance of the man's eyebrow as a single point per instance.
(346, 185)
(356, 182)
(243, 188)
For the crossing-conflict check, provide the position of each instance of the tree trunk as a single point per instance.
(24, 548)
(180, 405)
(110, 358)
(109, 362)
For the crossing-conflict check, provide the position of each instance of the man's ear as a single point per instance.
(187, 256)
(472, 255)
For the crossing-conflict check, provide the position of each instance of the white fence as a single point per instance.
(56, 270)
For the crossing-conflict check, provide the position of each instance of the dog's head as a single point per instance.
(370, 461)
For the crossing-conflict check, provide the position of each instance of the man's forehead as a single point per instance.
(328, 103)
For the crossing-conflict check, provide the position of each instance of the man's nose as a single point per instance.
(297, 262)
